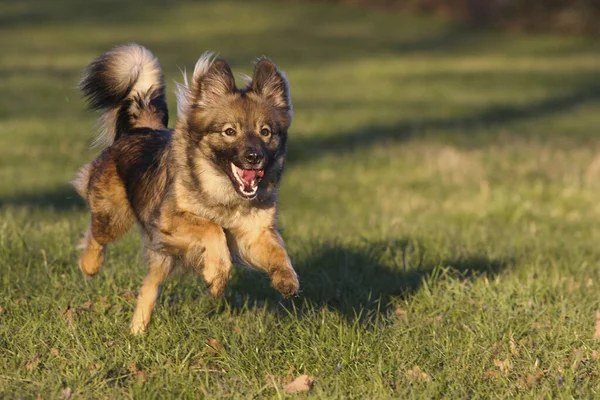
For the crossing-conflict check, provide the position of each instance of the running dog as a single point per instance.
(203, 193)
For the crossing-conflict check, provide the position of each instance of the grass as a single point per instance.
(440, 205)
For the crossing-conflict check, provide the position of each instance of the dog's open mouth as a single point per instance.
(247, 180)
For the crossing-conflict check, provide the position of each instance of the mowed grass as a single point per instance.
(441, 205)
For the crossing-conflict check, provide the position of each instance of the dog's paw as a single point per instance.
(138, 327)
(216, 276)
(91, 260)
(285, 281)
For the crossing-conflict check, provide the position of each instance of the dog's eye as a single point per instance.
(265, 132)
(230, 132)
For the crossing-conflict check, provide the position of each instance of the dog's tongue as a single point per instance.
(248, 175)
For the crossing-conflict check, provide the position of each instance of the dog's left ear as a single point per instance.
(212, 83)
(271, 83)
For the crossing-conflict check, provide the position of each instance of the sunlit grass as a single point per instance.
(440, 205)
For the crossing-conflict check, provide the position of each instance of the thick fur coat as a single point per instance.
(204, 193)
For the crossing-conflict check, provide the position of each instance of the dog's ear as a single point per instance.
(271, 83)
(213, 83)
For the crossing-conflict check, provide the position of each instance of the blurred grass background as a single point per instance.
(440, 205)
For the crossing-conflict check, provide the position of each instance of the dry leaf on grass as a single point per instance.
(531, 379)
(214, 346)
(597, 333)
(140, 375)
(513, 347)
(66, 393)
(21, 300)
(33, 364)
(55, 352)
(128, 295)
(492, 374)
(67, 314)
(399, 312)
(88, 305)
(1, 309)
(504, 366)
(594, 355)
(417, 375)
(301, 384)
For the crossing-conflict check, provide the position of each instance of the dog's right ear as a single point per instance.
(271, 83)
(211, 82)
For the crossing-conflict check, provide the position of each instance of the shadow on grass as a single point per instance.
(462, 130)
(359, 282)
(63, 199)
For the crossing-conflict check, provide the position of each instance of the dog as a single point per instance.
(203, 193)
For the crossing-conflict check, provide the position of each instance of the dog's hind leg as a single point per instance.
(160, 266)
(111, 218)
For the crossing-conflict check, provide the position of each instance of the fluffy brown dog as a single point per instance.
(202, 193)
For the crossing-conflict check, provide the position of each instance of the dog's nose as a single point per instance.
(254, 156)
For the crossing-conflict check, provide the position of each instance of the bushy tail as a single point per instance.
(127, 84)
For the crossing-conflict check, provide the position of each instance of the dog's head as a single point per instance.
(237, 133)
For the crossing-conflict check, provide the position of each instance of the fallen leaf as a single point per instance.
(33, 364)
(214, 346)
(55, 352)
(88, 305)
(530, 380)
(597, 333)
(399, 312)
(39, 397)
(504, 366)
(594, 355)
(132, 367)
(94, 368)
(139, 374)
(491, 374)
(417, 375)
(513, 347)
(301, 384)
(1, 309)
(67, 314)
(66, 393)
(128, 295)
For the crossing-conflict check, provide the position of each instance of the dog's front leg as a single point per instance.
(264, 250)
(202, 245)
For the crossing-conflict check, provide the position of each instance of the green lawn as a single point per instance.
(441, 206)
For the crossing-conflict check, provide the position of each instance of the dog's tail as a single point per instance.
(128, 86)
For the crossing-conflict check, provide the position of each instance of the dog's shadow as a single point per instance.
(357, 281)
